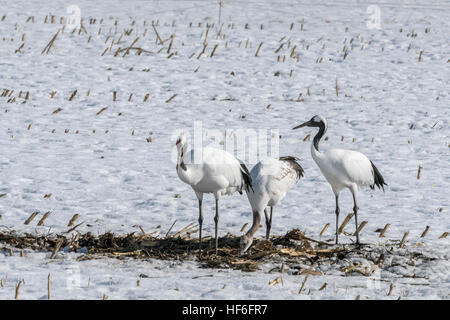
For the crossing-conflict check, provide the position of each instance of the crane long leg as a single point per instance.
(355, 211)
(200, 223)
(271, 211)
(337, 218)
(268, 222)
(216, 221)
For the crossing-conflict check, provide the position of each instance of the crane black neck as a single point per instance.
(181, 161)
(319, 135)
(182, 165)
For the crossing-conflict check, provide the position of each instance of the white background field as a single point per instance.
(392, 105)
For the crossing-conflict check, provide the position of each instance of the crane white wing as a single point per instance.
(214, 170)
(272, 179)
(351, 167)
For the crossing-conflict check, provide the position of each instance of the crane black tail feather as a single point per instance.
(378, 178)
(294, 162)
(246, 176)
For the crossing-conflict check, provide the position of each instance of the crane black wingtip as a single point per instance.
(377, 178)
(246, 176)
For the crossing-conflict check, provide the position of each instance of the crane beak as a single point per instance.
(307, 123)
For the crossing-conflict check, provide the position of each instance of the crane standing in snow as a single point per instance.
(343, 168)
(271, 180)
(210, 170)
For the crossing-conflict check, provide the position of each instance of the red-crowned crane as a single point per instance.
(343, 168)
(271, 180)
(210, 170)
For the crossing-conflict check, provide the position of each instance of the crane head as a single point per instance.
(316, 121)
(181, 145)
(181, 141)
(244, 243)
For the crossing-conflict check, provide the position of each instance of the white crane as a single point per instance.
(271, 180)
(343, 168)
(210, 170)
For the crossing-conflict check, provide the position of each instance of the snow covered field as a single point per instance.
(115, 168)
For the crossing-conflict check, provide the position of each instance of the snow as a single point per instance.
(116, 180)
